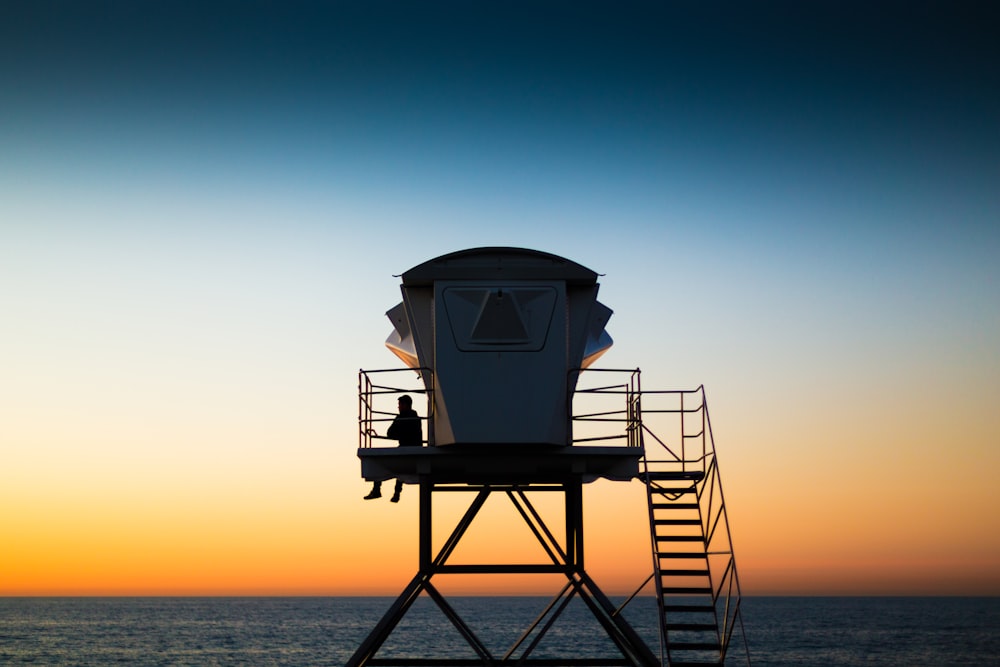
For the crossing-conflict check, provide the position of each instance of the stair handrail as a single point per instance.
(734, 593)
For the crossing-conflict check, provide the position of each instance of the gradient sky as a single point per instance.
(202, 210)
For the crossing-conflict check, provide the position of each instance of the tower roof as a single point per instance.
(497, 263)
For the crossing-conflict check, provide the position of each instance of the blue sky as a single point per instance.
(202, 209)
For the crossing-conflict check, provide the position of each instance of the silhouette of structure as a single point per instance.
(499, 339)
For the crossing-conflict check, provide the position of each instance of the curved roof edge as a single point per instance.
(498, 263)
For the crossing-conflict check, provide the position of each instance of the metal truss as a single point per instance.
(566, 558)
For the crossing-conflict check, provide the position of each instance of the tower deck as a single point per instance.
(500, 464)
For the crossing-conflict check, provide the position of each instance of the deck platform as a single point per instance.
(500, 464)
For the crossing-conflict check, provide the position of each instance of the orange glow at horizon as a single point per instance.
(139, 551)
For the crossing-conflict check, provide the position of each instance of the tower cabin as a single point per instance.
(498, 336)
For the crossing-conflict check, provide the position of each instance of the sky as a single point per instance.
(205, 208)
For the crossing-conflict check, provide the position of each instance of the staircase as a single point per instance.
(697, 588)
(689, 625)
(694, 570)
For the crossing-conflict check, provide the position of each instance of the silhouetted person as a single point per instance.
(405, 428)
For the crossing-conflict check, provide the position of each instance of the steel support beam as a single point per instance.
(566, 558)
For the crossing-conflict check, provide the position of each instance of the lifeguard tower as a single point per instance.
(498, 341)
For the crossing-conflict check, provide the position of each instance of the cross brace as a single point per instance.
(566, 559)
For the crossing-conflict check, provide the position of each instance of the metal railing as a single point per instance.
(676, 420)
(606, 413)
(377, 401)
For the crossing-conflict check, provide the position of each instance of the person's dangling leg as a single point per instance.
(376, 491)
(399, 490)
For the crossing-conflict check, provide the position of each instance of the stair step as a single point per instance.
(701, 608)
(693, 627)
(675, 506)
(675, 554)
(676, 522)
(687, 590)
(683, 573)
(673, 474)
(663, 491)
(680, 538)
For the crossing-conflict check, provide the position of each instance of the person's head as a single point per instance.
(405, 403)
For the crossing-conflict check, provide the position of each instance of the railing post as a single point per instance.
(706, 430)
(683, 436)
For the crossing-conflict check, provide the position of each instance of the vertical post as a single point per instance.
(574, 524)
(426, 492)
(361, 418)
(705, 427)
(683, 437)
(427, 377)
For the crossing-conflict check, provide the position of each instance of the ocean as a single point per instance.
(305, 631)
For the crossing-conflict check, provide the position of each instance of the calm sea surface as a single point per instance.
(326, 631)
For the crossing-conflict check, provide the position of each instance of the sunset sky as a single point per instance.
(202, 211)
